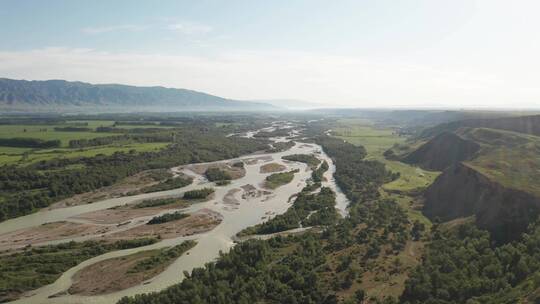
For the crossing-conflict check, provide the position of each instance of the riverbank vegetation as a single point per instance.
(39, 266)
(199, 193)
(216, 174)
(159, 202)
(167, 217)
(276, 180)
(308, 209)
(308, 159)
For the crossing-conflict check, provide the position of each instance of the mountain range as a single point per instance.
(67, 96)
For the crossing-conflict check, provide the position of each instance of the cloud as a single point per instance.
(189, 28)
(113, 28)
(351, 80)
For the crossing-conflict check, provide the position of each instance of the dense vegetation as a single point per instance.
(132, 136)
(158, 202)
(163, 257)
(358, 178)
(245, 275)
(317, 175)
(39, 266)
(72, 129)
(216, 174)
(199, 193)
(167, 217)
(308, 159)
(463, 266)
(24, 142)
(276, 180)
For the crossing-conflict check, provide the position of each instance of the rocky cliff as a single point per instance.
(442, 151)
(461, 191)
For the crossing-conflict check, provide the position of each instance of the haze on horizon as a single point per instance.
(422, 53)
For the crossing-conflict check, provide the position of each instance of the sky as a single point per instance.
(379, 53)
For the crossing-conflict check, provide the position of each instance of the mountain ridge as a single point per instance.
(57, 94)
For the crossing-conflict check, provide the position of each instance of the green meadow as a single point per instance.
(376, 140)
(25, 156)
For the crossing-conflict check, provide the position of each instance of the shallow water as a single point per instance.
(248, 212)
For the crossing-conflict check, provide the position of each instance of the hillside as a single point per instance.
(461, 191)
(498, 181)
(521, 124)
(60, 95)
(442, 151)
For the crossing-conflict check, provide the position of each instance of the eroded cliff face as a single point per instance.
(461, 191)
(442, 151)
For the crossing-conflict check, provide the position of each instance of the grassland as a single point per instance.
(29, 156)
(377, 140)
(46, 132)
(512, 160)
(25, 156)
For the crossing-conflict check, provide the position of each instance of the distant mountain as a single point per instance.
(293, 104)
(61, 95)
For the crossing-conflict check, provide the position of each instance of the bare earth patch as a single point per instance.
(48, 232)
(114, 274)
(229, 198)
(271, 168)
(234, 172)
(199, 222)
(128, 186)
(255, 160)
(251, 192)
(120, 215)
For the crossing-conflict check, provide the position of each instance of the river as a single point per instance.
(248, 212)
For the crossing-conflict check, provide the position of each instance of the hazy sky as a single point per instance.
(458, 53)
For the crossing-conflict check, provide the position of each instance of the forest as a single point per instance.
(462, 265)
(308, 159)
(199, 193)
(216, 174)
(24, 142)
